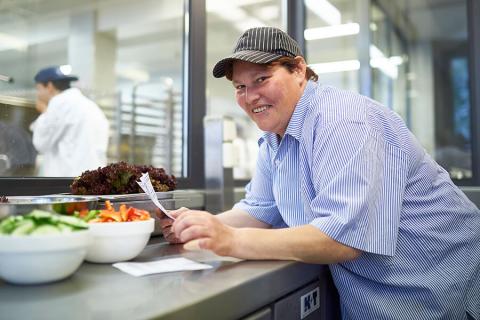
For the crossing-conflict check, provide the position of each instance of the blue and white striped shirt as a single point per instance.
(351, 168)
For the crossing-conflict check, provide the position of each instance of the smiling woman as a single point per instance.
(341, 180)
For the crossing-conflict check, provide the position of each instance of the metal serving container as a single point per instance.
(63, 204)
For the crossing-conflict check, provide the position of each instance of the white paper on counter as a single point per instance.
(139, 269)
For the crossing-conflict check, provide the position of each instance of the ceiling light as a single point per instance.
(8, 42)
(269, 12)
(325, 11)
(337, 66)
(133, 74)
(388, 65)
(332, 31)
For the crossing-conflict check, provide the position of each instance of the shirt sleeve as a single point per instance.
(359, 181)
(259, 201)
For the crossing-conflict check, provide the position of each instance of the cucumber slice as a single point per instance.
(7, 221)
(43, 217)
(23, 228)
(72, 221)
(45, 229)
(39, 214)
(9, 224)
(65, 228)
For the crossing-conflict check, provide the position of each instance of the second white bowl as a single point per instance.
(118, 241)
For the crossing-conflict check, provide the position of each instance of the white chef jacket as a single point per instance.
(71, 135)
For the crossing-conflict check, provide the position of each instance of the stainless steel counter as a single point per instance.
(232, 289)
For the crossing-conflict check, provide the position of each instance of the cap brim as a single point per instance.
(71, 78)
(43, 80)
(252, 56)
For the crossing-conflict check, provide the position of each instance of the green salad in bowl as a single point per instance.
(39, 222)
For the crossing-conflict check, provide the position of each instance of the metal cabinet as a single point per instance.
(302, 304)
(317, 300)
(263, 314)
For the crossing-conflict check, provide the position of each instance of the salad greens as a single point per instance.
(40, 222)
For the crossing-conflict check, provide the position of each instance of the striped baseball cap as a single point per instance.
(260, 45)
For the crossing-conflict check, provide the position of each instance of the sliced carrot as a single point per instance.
(130, 214)
(108, 205)
(112, 215)
(124, 214)
(83, 213)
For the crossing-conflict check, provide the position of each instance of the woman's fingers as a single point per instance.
(173, 213)
(193, 245)
(202, 230)
(199, 244)
(170, 237)
(176, 213)
(195, 231)
(166, 222)
(188, 219)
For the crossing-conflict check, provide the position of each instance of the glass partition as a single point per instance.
(128, 57)
(226, 21)
(332, 28)
(425, 75)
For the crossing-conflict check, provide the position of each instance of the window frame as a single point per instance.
(473, 25)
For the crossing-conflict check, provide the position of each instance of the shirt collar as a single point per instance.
(295, 124)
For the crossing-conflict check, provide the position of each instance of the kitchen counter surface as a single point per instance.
(232, 289)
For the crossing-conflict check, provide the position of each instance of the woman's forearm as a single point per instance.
(236, 233)
(305, 243)
(240, 219)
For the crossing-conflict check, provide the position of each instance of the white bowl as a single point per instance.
(118, 241)
(41, 258)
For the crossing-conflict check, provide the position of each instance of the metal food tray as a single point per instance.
(63, 204)
(176, 194)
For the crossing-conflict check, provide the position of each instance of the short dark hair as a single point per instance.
(288, 62)
(60, 85)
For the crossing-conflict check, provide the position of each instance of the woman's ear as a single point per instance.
(301, 68)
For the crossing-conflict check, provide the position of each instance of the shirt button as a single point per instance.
(277, 162)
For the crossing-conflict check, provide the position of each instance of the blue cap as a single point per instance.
(53, 74)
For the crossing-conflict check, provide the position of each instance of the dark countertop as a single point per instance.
(232, 289)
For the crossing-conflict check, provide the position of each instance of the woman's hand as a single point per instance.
(202, 230)
(166, 224)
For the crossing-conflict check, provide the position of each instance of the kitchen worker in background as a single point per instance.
(340, 180)
(71, 133)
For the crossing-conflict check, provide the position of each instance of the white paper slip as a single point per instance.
(139, 269)
(147, 187)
